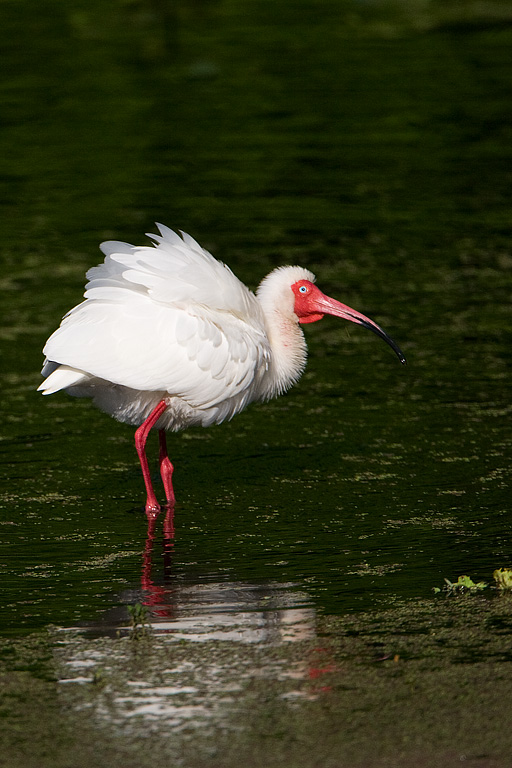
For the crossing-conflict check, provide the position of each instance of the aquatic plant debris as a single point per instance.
(139, 621)
(503, 578)
(463, 584)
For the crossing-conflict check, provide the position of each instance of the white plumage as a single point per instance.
(171, 328)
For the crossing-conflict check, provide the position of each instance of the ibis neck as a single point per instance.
(288, 350)
(288, 353)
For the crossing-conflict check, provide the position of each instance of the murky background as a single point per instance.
(372, 144)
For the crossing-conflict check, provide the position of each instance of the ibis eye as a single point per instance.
(303, 289)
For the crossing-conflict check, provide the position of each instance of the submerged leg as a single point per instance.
(166, 469)
(141, 436)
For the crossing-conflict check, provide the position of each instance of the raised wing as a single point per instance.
(146, 325)
(176, 271)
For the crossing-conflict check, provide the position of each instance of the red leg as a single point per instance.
(166, 469)
(141, 436)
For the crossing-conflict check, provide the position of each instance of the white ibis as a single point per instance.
(168, 337)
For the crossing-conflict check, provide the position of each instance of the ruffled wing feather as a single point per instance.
(170, 319)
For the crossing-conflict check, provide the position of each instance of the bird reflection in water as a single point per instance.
(211, 609)
(155, 595)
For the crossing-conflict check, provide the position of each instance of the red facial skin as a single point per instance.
(311, 305)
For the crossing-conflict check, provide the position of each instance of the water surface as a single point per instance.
(371, 144)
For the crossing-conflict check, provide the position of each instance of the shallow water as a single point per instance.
(368, 142)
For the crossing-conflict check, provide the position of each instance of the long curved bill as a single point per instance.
(329, 306)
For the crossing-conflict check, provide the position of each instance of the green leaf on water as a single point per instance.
(464, 584)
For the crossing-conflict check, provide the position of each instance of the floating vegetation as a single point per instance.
(503, 578)
(463, 584)
(139, 626)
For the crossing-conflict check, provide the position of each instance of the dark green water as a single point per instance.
(371, 143)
